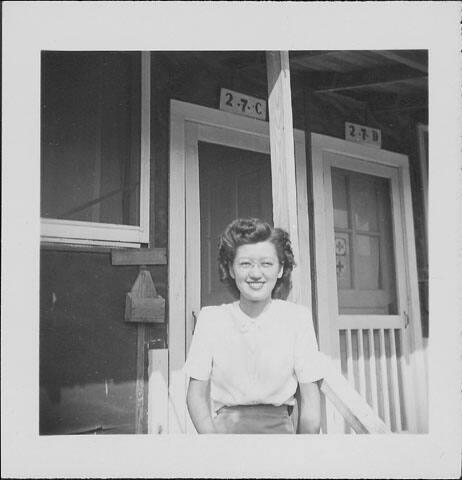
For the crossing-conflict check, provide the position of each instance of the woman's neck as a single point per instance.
(253, 309)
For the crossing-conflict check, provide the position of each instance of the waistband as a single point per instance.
(259, 408)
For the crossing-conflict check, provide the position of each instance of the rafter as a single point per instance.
(334, 81)
(371, 84)
(392, 55)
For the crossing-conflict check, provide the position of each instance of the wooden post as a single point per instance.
(140, 419)
(158, 386)
(282, 154)
(143, 287)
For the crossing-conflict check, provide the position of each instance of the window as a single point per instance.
(95, 147)
(364, 245)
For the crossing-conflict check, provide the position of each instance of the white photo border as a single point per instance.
(28, 28)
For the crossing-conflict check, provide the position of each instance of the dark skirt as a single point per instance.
(262, 419)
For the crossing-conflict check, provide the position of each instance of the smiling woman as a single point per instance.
(255, 270)
(257, 350)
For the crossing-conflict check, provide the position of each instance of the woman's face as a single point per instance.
(255, 270)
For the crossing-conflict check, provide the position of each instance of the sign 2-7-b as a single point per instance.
(362, 134)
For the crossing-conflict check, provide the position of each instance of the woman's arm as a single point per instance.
(199, 406)
(310, 408)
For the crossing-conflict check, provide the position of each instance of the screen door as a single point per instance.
(363, 278)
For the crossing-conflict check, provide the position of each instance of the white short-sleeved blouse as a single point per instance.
(254, 360)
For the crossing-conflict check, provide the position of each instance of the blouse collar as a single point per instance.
(244, 322)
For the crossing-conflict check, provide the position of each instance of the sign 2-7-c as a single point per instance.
(242, 104)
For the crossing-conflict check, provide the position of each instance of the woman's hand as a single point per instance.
(198, 402)
(310, 408)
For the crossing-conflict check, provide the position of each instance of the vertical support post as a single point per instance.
(147, 166)
(140, 381)
(140, 370)
(282, 154)
(158, 391)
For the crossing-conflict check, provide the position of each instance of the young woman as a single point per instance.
(257, 350)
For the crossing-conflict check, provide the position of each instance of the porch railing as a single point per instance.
(334, 386)
(351, 405)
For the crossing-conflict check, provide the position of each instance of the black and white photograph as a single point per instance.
(240, 254)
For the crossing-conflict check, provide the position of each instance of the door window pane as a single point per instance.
(364, 203)
(368, 274)
(91, 128)
(339, 185)
(364, 253)
(343, 260)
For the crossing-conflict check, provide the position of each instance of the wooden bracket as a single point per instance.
(143, 304)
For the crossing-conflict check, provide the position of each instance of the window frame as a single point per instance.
(422, 130)
(109, 234)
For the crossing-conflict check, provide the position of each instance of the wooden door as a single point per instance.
(371, 322)
(233, 183)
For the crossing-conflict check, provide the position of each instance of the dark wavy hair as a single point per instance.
(243, 231)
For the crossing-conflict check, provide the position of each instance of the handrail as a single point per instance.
(351, 405)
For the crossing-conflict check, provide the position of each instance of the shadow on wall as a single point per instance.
(96, 408)
(87, 351)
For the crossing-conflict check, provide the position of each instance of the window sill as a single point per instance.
(91, 246)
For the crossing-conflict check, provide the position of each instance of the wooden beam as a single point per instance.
(398, 108)
(403, 60)
(143, 256)
(302, 54)
(380, 102)
(379, 83)
(325, 81)
(247, 62)
(282, 153)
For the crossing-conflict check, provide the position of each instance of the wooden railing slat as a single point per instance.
(394, 377)
(401, 375)
(349, 354)
(384, 378)
(361, 366)
(373, 371)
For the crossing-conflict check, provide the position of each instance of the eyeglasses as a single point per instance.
(249, 265)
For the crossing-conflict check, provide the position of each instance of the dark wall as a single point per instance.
(84, 344)
(87, 351)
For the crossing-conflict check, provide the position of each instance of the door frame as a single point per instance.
(376, 159)
(189, 124)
